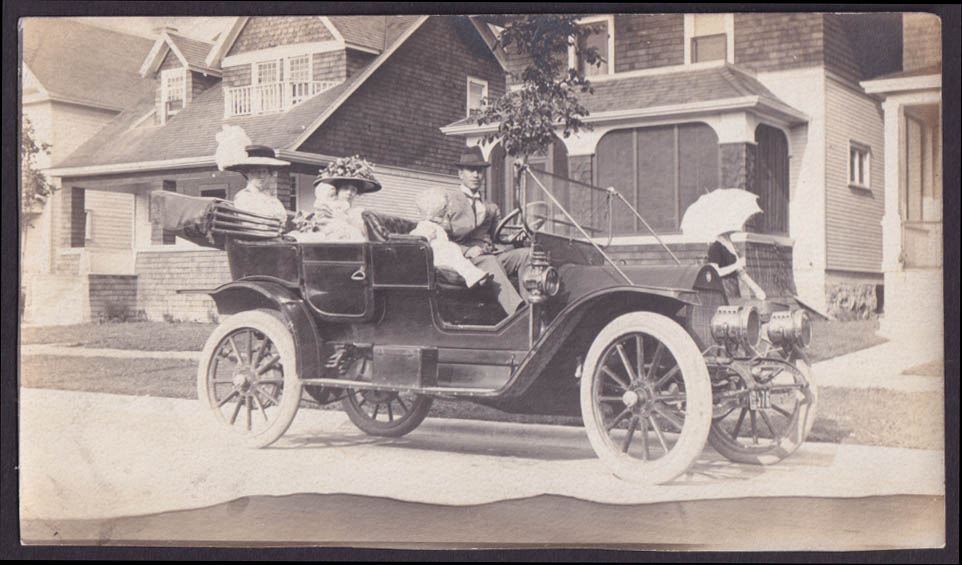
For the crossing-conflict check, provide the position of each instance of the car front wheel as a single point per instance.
(646, 398)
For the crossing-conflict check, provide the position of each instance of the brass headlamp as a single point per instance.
(790, 328)
(732, 326)
(540, 279)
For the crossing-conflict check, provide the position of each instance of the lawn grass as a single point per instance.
(859, 416)
(831, 338)
(144, 336)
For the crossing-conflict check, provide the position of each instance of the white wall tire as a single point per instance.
(648, 428)
(247, 377)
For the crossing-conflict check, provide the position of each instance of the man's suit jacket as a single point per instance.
(465, 228)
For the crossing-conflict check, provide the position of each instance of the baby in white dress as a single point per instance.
(432, 204)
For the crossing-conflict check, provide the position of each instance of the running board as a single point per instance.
(462, 391)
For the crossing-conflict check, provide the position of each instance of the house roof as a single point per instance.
(192, 53)
(643, 91)
(192, 132)
(85, 64)
(194, 50)
(363, 31)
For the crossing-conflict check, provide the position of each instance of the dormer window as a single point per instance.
(709, 37)
(172, 91)
(602, 40)
(277, 84)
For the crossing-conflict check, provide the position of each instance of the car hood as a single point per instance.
(674, 280)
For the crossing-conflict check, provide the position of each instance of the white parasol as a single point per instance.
(720, 211)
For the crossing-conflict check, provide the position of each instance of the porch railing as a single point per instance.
(270, 97)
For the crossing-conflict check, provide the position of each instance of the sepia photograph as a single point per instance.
(635, 280)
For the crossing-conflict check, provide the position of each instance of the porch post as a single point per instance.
(894, 163)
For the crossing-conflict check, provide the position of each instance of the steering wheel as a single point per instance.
(519, 233)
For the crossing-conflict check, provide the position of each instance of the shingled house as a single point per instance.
(312, 88)
(76, 78)
(771, 103)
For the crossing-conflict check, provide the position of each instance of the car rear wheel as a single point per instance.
(384, 412)
(645, 398)
(767, 425)
(247, 377)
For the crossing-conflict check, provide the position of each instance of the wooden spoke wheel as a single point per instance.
(645, 398)
(386, 413)
(247, 377)
(767, 424)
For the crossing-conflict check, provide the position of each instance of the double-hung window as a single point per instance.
(602, 39)
(299, 78)
(477, 93)
(859, 165)
(709, 37)
(268, 96)
(172, 92)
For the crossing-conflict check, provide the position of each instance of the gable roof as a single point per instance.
(85, 64)
(192, 53)
(191, 133)
(722, 85)
(361, 31)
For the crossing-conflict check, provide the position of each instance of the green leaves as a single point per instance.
(547, 101)
(36, 188)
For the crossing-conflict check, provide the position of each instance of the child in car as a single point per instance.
(432, 205)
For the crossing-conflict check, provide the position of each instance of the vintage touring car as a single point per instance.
(656, 359)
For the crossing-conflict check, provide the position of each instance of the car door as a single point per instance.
(336, 279)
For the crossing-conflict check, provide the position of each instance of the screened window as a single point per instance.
(771, 182)
(660, 171)
(78, 217)
(169, 237)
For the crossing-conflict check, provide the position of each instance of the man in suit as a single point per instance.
(472, 223)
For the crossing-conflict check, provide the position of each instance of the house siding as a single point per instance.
(111, 220)
(237, 75)
(853, 215)
(644, 41)
(200, 83)
(395, 117)
(161, 273)
(264, 32)
(357, 60)
(767, 42)
(330, 66)
(839, 54)
(112, 296)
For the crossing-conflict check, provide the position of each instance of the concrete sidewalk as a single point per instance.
(880, 366)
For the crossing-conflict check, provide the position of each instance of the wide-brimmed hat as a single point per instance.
(353, 169)
(472, 158)
(257, 156)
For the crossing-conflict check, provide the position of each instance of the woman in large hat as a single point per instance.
(260, 168)
(334, 217)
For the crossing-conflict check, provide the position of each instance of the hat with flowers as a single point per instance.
(352, 169)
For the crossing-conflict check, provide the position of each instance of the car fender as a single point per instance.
(614, 300)
(239, 296)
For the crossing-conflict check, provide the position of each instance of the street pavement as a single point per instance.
(92, 455)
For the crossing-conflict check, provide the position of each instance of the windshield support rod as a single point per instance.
(611, 190)
(577, 225)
